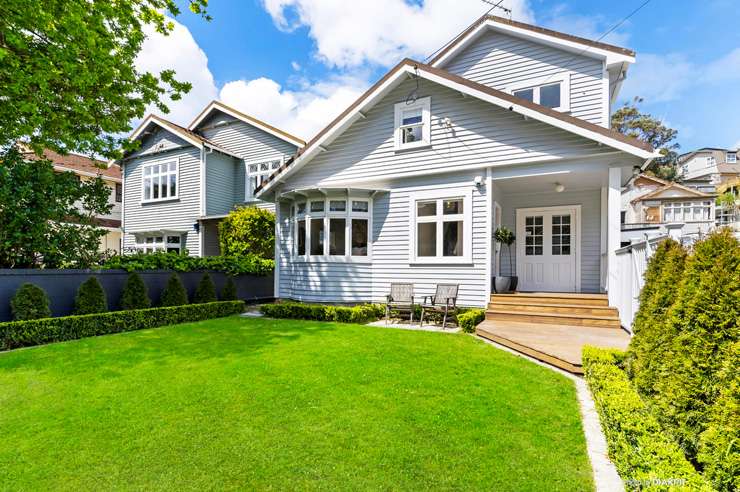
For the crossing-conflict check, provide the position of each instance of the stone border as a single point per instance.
(606, 478)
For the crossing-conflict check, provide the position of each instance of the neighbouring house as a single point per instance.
(180, 182)
(508, 125)
(653, 207)
(87, 168)
(720, 165)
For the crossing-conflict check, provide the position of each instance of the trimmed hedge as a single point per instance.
(135, 293)
(642, 452)
(90, 298)
(206, 291)
(470, 319)
(233, 265)
(15, 334)
(228, 293)
(174, 293)
(30, 302)
(320, 312)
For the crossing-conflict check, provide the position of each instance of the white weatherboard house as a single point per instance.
(180, 182)
(508, 125)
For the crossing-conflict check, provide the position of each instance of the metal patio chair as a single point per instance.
(444, 301)
(401, 299)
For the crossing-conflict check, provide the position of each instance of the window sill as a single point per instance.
(411, 148)
(446, 260)
(163, 200)
(332, 259)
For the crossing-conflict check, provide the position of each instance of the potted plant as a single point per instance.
(502, 285)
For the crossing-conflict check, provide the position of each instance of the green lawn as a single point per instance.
(252, 403)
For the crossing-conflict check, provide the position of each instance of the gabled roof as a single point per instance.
(652, 178)
(219, 106)
(78, 164)
(687, 193)
(182, 132)
(613, 54)
(498, 98)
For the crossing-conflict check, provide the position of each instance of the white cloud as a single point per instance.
(659, 78)
(589, 27)
(180, 52)
(302, 112)
(725, 69)
(380, 32)
(737, 145)
(296, 66)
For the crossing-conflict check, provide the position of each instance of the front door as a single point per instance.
(547, 248)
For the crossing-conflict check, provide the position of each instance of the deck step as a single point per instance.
(544, 307)
(573, 319)
(553, 298)
(572, 367)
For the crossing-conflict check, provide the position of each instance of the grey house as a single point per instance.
(508, 125)
(181, 182)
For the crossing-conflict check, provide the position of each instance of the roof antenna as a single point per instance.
(497, 5)
(414, 94)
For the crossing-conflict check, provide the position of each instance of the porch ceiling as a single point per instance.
(544, 183)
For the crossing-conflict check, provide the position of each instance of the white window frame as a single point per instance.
(142, 246)
(326, 214)
(249, 193)
(674, 206)
(423, 103)
(734, 158)
(440, 195)
(176, 196)
(536, 84)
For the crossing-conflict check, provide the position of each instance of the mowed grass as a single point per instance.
(242, 403)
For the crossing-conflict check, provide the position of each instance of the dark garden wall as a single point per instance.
(61, 286)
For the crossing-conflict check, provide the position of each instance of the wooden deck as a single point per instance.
(552, 328)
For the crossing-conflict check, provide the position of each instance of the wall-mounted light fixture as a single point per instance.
(559, 187)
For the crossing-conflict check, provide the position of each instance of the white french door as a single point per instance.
(548, 248)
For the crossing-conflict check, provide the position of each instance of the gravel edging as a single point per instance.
(606, 478)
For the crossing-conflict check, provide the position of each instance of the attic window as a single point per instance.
(413, 124)
(551, 92)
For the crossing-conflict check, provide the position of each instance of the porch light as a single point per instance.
(559, 187)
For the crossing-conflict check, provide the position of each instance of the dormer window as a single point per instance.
(413, 124)
(551, 92)
(731, 157)
(257, 172)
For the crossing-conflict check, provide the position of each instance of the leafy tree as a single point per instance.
(174, 293)
(68, 78)
(91, 298)
(206, 291)
(228, 293)
(30, 302)
(630, 121)
(248, 231)
(40, 220)
(135, 293)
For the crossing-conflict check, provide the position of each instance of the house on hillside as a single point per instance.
(86, 168)
(720, 165)
(180, 182)
(653, 207)
(507, 126)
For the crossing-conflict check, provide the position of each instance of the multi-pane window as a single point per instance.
(334, 227)
(687, 211)
(440, 227)
(551, 92)
(533, 235)
(561, 234)
(168, 243)
(257, 173)
(731, 157)
(413, 124)
(159, 181)
(119, 192)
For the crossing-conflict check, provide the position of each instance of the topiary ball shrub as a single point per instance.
(174, 293)
(90, 298)
(30, 302)
(248, 231)
(206, 291)
(135, 293)
(228, 293)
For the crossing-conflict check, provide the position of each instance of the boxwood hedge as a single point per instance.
(15, 334)
(362, 313)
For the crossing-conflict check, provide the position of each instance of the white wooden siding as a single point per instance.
(179, 214)
(590, 202)
(351, 282)
(481, 134)
(499, 61)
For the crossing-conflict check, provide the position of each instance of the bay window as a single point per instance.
(441, 226)
(154, 243)
(335, 228)
(159, 181)
(687, 211)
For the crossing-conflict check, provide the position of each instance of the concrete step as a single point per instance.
(553, 318)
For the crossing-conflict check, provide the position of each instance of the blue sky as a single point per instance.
(298, 63)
